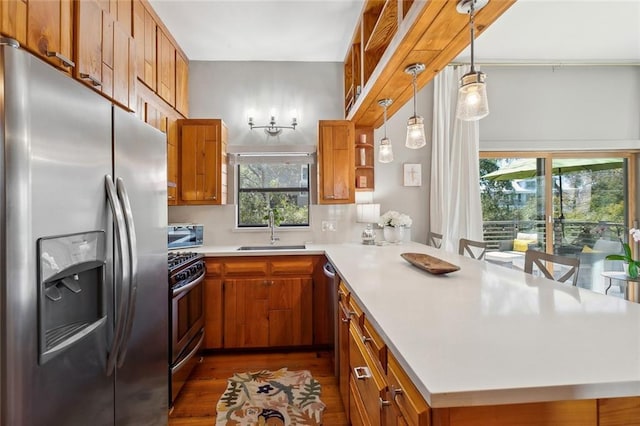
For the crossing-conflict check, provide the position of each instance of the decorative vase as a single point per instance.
(393, 234)
(625, 266)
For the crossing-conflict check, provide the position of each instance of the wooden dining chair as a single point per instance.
(542, 260)
(434, 239)
(473, 249)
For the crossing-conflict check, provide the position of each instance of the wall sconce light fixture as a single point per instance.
(415, 126)
(472, 95)
(272, 129)
(385, 152)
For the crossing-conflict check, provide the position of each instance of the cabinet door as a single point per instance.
(89, 43)
(267, 312)
(336, 162)
(123, 67)
(13, 19)
(144, 34)
(212, 313)
(49, 31)
(201, 162)
(343, 348)
(166, 69)
(246, 313)
(172, 162)
(290, 312)
(182, 85)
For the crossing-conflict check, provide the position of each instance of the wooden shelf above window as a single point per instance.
(393, 34)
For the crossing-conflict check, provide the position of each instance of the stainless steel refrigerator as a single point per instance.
(83, 281)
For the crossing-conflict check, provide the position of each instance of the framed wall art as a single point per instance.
(412, 174)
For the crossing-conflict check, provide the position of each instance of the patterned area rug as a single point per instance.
(273, 398)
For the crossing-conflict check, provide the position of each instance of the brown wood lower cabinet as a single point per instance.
(376, 390)
(265, 302)
(267, 312)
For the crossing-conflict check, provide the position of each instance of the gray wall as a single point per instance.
(562, 107)
(532, 108)
(228, 90)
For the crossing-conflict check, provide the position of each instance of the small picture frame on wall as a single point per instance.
(412, 174)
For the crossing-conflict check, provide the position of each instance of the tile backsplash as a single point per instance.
(329, 224)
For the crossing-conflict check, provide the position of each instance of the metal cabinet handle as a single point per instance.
(396, 391)
(362, 373)
(94, 81)
(365, 339)
(66, 62)
(329, 197)
(383, 402)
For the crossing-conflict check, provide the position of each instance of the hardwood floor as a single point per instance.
(196, 404)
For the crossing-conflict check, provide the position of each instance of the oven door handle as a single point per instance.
(179, 365)
(133, 265)
(189, 286)
(121, 274)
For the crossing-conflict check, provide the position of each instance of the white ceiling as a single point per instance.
(571, 31)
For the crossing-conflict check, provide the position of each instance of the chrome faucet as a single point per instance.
(272, 227)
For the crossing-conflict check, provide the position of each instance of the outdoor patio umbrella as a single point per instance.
(525, 168)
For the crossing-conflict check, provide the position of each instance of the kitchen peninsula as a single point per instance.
(488, 342)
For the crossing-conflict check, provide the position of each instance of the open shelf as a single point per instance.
(364, 159)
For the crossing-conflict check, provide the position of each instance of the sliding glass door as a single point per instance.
(567, 204)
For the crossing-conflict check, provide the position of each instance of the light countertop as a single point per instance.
(487, 334)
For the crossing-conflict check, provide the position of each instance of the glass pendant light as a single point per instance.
(385, 153)
(472, 95)
(415, 126)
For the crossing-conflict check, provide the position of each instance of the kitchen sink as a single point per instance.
(289, 247)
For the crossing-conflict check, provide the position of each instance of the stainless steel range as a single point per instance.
(186, 307)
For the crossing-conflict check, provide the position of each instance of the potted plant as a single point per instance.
(632, 266)
(393, 224)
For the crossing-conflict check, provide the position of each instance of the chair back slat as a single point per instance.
(434, 239)
(542, 261)
(467, 247)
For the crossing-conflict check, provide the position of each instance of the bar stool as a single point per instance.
(474, 249)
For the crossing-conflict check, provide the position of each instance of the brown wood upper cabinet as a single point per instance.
(182, 84)
(13, 19)
(202, 161)
(166, 68)
(336, 162)
(49, 31)
(105, 49)
(144, 32)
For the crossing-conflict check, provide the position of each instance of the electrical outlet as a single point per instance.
(329, 225)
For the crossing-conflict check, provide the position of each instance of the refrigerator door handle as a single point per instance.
(133, 265)
(121, 276)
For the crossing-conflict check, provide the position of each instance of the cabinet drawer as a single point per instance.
(413, 407)
(356, 312)
(357, 411)
(253, 268)
(214, 268)
(374, 343)
(368, 378)
(292, 266)
(343, 293)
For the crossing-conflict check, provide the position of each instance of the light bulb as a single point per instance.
(472, 97)
(415, 133)
(385, 152)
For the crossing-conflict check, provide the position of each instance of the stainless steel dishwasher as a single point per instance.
(333, 282)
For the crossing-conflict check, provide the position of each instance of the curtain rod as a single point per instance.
(547, 64)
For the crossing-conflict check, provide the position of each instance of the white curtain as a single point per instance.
(455, 208)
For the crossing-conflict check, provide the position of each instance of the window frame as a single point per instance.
(238, 190)
(549, 156)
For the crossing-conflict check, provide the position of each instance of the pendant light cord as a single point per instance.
(414, 94)
(472, 27)
(385, 121)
